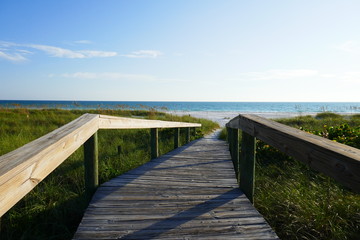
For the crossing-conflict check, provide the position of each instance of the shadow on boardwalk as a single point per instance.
(189, 193)
(184, 216)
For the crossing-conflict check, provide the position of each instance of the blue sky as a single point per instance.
(180, 50)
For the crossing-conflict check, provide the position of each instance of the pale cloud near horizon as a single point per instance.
(298, 75)
(108, 76)
(280, 74)
(350, 46)
(144, 54)
(274, 75)
(351, 77)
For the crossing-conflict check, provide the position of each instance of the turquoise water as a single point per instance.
(340, 107)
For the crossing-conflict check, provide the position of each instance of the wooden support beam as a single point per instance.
(154, 142)
(235, 154)
(230, 140)
(227, 134)
(91, 165)
(187, 134)
(22, 169)
(176, 137)
(110, 122)
(336, 160)
(247, 165)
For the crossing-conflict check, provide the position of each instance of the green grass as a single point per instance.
(55, 207)
(300, 203)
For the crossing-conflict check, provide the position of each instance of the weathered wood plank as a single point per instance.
(22, 169)
(110, 122)
(154, 142)
(247, 165)
(91, 165)
(176, 137)
(336, 160)
(187, 194)
(235, 150)
(187, 135)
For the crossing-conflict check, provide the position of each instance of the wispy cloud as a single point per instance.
(91, 53)
(17, 52)
(67, 53)
(144, 54)
(13, 57)
(349, 46)
(4, 44)
(11, 52)
(83, 42)
(57, 52)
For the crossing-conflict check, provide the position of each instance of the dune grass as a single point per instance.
(54, 208)
(300, 203)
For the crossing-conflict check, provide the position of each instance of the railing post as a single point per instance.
(187, 134)
(230, 140)
(154, 142)
(235, 155)
(91, 165)
(119, 150)
(176, 137)
(247, 165)
(228, 134)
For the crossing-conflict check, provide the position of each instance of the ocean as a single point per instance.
(244, 107)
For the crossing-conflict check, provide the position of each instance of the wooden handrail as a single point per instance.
(336, 160)
(22, 169)
(110, 122)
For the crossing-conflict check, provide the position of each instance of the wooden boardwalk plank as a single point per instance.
(189, 193)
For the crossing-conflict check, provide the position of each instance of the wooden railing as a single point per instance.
(22, 169)
(336, 160)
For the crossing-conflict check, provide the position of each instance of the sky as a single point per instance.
(180, 50)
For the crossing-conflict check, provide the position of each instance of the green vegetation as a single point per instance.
(54, 208)
(300, 203)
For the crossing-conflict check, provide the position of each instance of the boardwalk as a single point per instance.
(189, 193)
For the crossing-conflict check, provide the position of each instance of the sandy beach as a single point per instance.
(223, 117)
